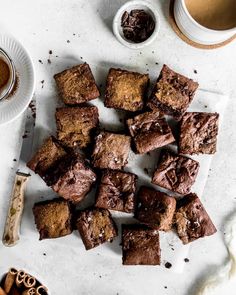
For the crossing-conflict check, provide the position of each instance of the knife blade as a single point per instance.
(16, 206)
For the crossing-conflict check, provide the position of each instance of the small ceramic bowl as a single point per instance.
(196, 32)
(136, 4)
(4, 92)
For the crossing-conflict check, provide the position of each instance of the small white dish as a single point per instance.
(15, 105)
(136, 4)
(196, 32)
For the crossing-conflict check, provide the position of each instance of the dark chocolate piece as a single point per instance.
(75, 124)
(116, 191)
(175, 172)
(172, 93)
(111, 151)
(191, 219)
(96, 227)
(149, 131)
(155, 209)
(198, 133)
(77, 85)
(140, 245)
(138, 25)
(126, 90)
(52, 218)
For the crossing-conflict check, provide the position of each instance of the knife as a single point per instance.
(16, 206)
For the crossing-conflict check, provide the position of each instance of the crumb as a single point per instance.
(49, 61)
(186, 260)
(24, 136)
(40, 61)
(68, 41)
(57, 56)
(81, 57)
(73, 34)
(147, 70)
(44, 254)
(146, 64)
(145, 170)
(205, 106)
(140, 52)
(14, 160)
(156, 63)
(173, 249)
(195, 71)
(165, 287)
(168, 265)
(50, 52)
(42, 81)
(100, 276)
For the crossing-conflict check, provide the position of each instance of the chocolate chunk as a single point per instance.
(138, 25)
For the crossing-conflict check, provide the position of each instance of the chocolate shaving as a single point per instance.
(137, 25)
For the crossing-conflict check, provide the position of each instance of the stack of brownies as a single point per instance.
(71, 176)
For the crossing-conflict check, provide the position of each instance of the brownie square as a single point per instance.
(72, 178)
(175, 172)
(198, 133)
(116, 191)
(155, 209)
(140, 245)
(47, 156)
(191, 219)
(96, 227)
(75, 125)
(111, 151)
(149, 131)
(126, 90)
(53, 218)
(172, 93)
(77, 85)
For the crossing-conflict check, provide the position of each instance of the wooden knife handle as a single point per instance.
(13, 220)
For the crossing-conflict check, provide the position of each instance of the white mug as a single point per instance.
(196, 32)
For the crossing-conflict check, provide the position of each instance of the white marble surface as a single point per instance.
(47, 25)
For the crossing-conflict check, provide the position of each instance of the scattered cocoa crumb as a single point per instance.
(153, 51)
(73, 34)
(173, 249)
(68, 41)
(44, 254)
(14, 160)
(140, 52)
(205, 106)
(168, 265)
(100, 276)
(145, 170)
(186, 260)
(40, 61)
(50, 52)
(165, 287)
(81, 57)
(195, 71)
(24, 136)
(156, 63)
(49, 61)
